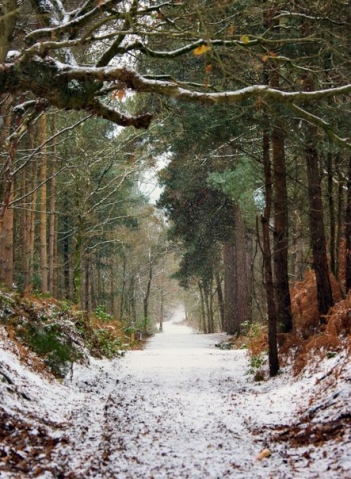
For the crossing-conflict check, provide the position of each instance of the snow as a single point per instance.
(180, 408)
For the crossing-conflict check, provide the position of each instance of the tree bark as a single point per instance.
(242, 299)
(147, 296)
(52, 223)
(348, 229)
(229, 287)
(281, 233)
(6, 213)
(220, 300)
(332, 222)
(317, 231)
(43, 208)
(267, 261)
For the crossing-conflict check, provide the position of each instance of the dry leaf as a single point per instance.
(264, 454)
(265, 58)
(231, 30)
(120, 94)
(201, 50)
(208, 68)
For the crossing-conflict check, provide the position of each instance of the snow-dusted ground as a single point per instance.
(181, 408)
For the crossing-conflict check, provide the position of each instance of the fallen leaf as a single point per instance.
(121, 94)
(208, 68)
(264, 454)
(201, 50)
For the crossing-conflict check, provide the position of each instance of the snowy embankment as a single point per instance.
(181, 408)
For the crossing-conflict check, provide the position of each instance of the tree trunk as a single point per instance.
(43, 208)
(317, 231)
(6, 245)
(332, 222)
(112, 287)
(220, 300)
(6, 213)
(340, 220)
(86, 285)
(66, 257)
(147, 296)
(348, 230)
(124, 282)
(267, 262)
(29, 241)
(281, 233)
(161, 310)
(229, 287)
(203, 309)
(52, 222)
(242, 300)
(298, 249)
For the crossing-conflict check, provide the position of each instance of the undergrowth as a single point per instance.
(309, 342)
(59, 333)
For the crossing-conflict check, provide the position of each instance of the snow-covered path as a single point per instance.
(180, 409)
(183, 408)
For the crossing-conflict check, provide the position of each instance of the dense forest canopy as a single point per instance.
(76, 55)
(250, 100)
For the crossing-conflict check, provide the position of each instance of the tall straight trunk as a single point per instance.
(281, 233)
(331, 204)
(242, 300)
(209, 305)
(316, 217)
(6, 213)
(249, 272)
(124, 282)
(147, 296)
(92, 289)
(203, 309)
(6, 245)
(162, 295)
(112, 287)
(229, 287)
(52, 222)
(270, 75)
(30, 181)
(340, 220)
(86, 285)
(281, 215)
(317, 231)
(43, 208)
(77, 271)
(299, 249)
(348, 230)
(267, 261)
(132, 300)
(220, 300)
(66, 260)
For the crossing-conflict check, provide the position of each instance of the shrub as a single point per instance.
(49, 342)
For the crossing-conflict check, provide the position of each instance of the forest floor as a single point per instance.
(180, 408)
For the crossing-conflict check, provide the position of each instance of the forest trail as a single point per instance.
(180, 409)
(183, 408)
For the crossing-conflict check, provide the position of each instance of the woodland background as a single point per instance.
(246, 104)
